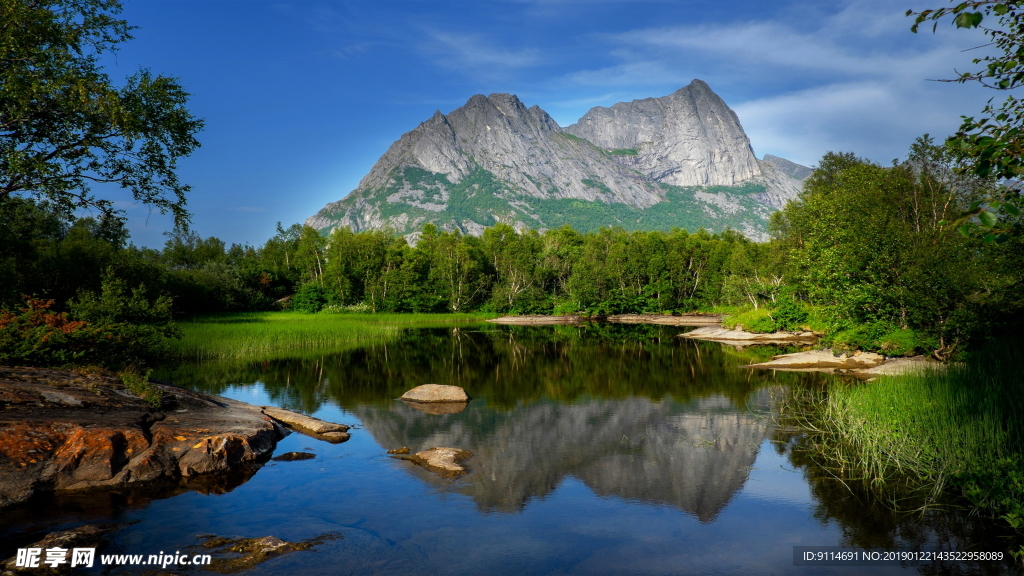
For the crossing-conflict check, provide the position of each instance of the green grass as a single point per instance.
(957, 432)
(270, 335)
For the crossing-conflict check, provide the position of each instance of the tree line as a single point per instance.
(865, 253)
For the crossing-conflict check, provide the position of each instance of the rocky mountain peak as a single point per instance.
(688, 138)
(495, 160)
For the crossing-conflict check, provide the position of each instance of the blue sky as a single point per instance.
(301, 97)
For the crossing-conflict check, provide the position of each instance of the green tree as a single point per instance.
(993, 143)
(64, 125)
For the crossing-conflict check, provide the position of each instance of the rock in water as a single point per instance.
(293, 456)
(436, 393)
(444, 461)
(312, 427)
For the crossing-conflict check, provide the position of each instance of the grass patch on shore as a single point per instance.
(270, 335)
(954, 433)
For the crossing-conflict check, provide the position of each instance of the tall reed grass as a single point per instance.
(270, 335)
(958, 432)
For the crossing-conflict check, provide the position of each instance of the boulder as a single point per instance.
(436, 393)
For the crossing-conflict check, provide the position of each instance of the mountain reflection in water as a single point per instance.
(631, 411)
(693, 456)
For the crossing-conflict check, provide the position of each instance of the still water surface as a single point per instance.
(598, 450)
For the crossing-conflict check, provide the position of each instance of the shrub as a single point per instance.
(138, 383)
(310, 298)
(788, 313)
(37, 336)
(906, 343)
(757, 320)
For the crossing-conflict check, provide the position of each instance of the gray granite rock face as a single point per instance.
(688, 138)
(619, 155)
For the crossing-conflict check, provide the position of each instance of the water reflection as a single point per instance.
(632, 412)
(693, 456)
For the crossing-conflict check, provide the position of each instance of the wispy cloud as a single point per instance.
(475, 54)
(851, 80)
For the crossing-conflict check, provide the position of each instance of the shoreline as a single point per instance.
(63, 431)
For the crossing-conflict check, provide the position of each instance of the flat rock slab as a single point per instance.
(539, 320)
(898, 366)
(822, 360)
(717, 334)
(306, 424)
(443, 461)
(667, 320)
(436, 393)
(65, 431)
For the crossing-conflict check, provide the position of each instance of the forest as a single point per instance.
(866, 255)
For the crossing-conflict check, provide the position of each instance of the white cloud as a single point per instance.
(474, 52)
(855, 80)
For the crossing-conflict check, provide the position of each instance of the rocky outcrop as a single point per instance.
(898, 366)
(436, 393)
(62, 431)
(860, 364)
(495, 160)
(718, 334)
(688, 138)
(822, 360)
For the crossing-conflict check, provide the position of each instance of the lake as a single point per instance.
(598, 449)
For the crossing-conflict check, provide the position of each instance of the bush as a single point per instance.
(37, 336)
(757, 320)
(906, 343)
(788, 313)
(310, 298)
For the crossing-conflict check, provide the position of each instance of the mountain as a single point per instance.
(679, 160)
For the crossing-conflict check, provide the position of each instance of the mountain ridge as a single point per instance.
(683, 157)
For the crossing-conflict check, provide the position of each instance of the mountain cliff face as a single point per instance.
(681, 160)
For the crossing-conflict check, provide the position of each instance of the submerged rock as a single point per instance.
(402, 450)
(436, 393)
(88, 536)
(231, 555)
(293, 456)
